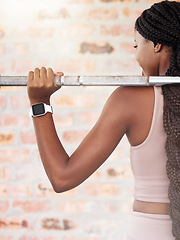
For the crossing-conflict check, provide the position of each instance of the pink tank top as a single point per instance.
(148, 160)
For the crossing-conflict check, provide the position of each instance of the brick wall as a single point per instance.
(76, 37)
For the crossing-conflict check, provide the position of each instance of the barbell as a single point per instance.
(96, 80)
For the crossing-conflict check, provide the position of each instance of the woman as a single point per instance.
(137, 112)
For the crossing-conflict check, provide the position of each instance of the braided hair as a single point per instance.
(161, 24)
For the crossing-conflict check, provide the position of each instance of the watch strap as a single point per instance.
(48, 108)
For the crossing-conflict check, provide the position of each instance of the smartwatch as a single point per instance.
(40, 109)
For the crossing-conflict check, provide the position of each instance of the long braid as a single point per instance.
(161, 24)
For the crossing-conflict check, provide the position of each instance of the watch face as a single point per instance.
(38, 109)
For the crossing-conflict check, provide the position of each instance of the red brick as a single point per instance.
(45, 190)
(76, 30)
(4, 206)
(116, 154)
(30, 238)
(33, 206)
(64, 119)
(88, 118)
(96, 175)
(14, 120)
(96, 48)
(114, 30)
(103, 14)
(28, 137)
(102, 189)
(46, 32)
(80, 1)
(83, 238)
(50, 238)
(73, 66)
(15, 190)
(123, 206)
(74, 136)
(6, 138)
(75, 206)
(3, 237)
(56, 224)
(2, 101)
(154, 1)
(77, 1)
(132, 13)
(12, 89)
(14, 155)
(37, 238)
(123, 172)
(14, 223)
(30, 172)
(62, 13)
(5, 173)
(19, 102)
(75, 101)
(36, 32)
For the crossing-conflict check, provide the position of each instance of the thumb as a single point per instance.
(59, 74)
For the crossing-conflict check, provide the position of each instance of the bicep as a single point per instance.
(100, 142)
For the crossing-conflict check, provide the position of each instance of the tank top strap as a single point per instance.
(158, 108)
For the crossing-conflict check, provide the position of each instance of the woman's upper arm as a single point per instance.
(112, 124)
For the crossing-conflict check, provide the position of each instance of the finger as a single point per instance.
(43, 75)
(36, 76)
(30, 78)
(50, 76)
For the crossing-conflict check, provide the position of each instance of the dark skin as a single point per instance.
(128, 111)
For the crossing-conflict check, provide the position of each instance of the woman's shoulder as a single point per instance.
(131, 101)
(133, 106)
(132, 95)
(126, 107)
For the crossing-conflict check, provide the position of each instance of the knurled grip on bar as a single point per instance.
(95, 80)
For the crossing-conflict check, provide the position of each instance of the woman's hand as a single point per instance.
(41, 85)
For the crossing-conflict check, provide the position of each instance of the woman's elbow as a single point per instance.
(61, 186)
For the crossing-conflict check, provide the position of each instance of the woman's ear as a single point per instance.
(157, 47)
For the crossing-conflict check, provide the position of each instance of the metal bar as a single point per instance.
(95, 80)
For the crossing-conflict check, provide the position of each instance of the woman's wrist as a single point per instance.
(35, 101)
